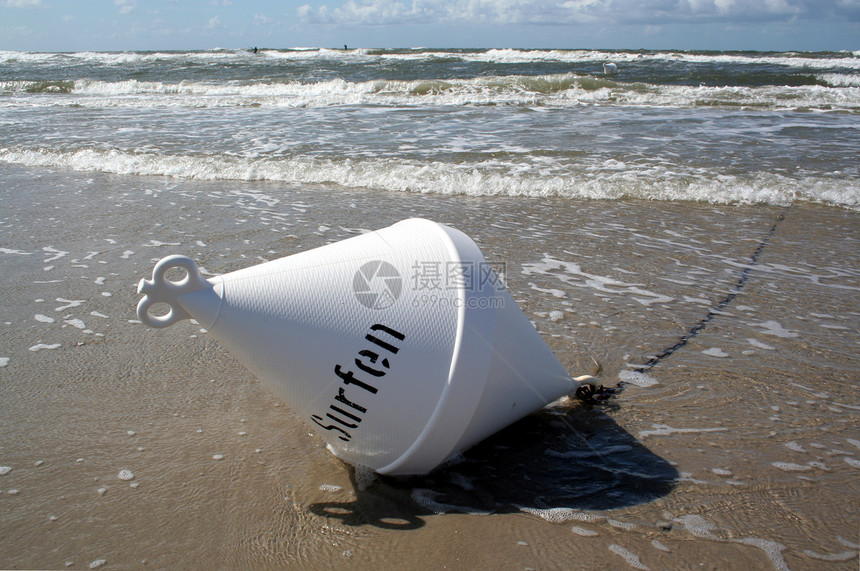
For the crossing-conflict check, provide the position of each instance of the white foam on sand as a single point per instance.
(631, 558)
(621, 524)
(40, 346)
(125, 475)
(758, 344)
(636, 378)
(771, 548)
(561, 515)
(553, 292)
(70, 303)
(665, 430)
(364, 477)
(698, 526)
(5, 470)
(794, 446)
(427, 499)
(791, 467)
(715, 352)
(43, 318)
(57, 254)
(4, 361)
(843, 556)
(853, 462)
(572, 274)
(76, 323)
(774, 328)
(601, 452)
(659, 545)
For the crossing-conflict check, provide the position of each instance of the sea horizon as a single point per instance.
(720, 127)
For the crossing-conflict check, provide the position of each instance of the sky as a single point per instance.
(119, 25)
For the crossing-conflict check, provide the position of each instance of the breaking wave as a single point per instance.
(559, 90)
(608, 182)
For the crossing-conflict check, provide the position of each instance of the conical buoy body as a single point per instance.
(400, 347)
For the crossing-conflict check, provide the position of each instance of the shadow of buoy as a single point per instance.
(573, 457)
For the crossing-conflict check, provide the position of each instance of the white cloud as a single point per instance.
(213, 23)
(656, 12)
(724, 6)
(23, 4)
(432, 11)
(125, 6)
(378, 11)
(781, 7)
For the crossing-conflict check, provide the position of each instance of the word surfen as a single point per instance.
(349, 378)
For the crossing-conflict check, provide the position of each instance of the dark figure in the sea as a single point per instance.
(344, 47)
(255, 49)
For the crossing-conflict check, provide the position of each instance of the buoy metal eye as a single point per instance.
(161, 291)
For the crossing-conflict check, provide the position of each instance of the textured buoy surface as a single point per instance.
(400, 347)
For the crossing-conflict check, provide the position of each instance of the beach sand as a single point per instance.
(739, 449)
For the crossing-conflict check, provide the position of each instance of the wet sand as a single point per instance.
(737, 449)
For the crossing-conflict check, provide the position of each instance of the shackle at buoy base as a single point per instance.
(192, 292)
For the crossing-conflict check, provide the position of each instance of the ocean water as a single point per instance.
(715, 127)
(687, 228)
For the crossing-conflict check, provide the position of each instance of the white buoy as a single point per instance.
(400, 347)
(610, 68)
